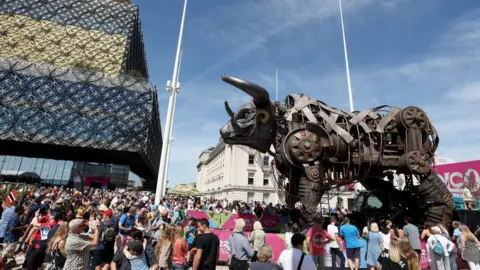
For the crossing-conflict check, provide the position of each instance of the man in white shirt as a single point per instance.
(291, 258)
(336, 247)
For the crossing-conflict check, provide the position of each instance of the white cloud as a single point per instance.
(240, 28)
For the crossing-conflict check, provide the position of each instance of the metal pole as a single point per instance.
(347, 67)
(3, 163)
(276, 84)
(161, 181)
(177, 88)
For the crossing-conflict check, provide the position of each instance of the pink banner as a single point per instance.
(275, 241)
(459, 175)
(249, 220)
(423, 257)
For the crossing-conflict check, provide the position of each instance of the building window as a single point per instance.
(251, 159)
(266, 198)
(265, 180)
(250, 178)
(250, 196)
(265, 160)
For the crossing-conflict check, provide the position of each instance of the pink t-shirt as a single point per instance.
(180, 251)
(318, 238)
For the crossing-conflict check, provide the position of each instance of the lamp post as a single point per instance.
(173, 88)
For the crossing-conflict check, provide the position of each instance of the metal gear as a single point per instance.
(303, 146)
(416, 162)
(412, 118)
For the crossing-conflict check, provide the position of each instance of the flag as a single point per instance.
(12, 197)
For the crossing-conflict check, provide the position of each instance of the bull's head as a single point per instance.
(253, 124)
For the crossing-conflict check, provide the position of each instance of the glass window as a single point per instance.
(251, 159)
(251, 176)
(265, 160)
(266, 198)
(250, 196)
(265, 180)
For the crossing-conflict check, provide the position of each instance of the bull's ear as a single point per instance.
(263, 116)
(260, 96)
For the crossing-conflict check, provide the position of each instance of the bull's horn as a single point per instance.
(259, 94)
(229, 110)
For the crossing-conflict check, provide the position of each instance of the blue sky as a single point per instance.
(402, 52)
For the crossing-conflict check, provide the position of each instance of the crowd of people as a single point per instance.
(60, 228)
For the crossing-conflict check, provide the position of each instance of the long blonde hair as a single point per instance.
(62, 233)
(394, 250)
(168, 235)
(466, 231)
(409, 254)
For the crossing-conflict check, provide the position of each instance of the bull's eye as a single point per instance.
(263, 116)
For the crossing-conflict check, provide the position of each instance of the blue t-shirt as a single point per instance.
(350, 234)
(127, 222)
(457, 234)
(12, 236)
(191, 234)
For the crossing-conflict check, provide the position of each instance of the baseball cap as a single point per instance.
(75, 223)
(108, 213)
(297, 239)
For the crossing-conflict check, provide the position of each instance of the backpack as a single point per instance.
(438, 248)
(108, 235)
(116, 220)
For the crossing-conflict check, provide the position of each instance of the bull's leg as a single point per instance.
(435, 199)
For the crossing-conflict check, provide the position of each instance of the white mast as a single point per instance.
(276, 84)
(173, 87)
(347, 68)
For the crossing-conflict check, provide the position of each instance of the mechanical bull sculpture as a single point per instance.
(318, 148)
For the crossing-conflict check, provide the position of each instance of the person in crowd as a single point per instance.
(257, 238)
(103, 253)
(56, 248)
(36, 254)
(190, 233)
(180, 249)
(163, 249)
(207, 248)
(336, 247)
(366, 229)
(77, 245)
(264, 259)
(136, 255)
(407, 252)
(7, 214)
(386, 234)
(374, 247)
(293, 229)
(12, 235)
(125, 224)
(426, 231)
(453, 257)
(456, 236)
(439, 249)
(469, 248)
(143, 223)
(351, 235)
(392, 258)
(411, 231)
(317, 238)
(240, 250)
(295, 258)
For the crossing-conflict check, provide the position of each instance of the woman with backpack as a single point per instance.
(470, 248)
(56, 249)
(439, 250)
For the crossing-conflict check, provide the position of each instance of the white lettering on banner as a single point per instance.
(223, 249)
(457, 181)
